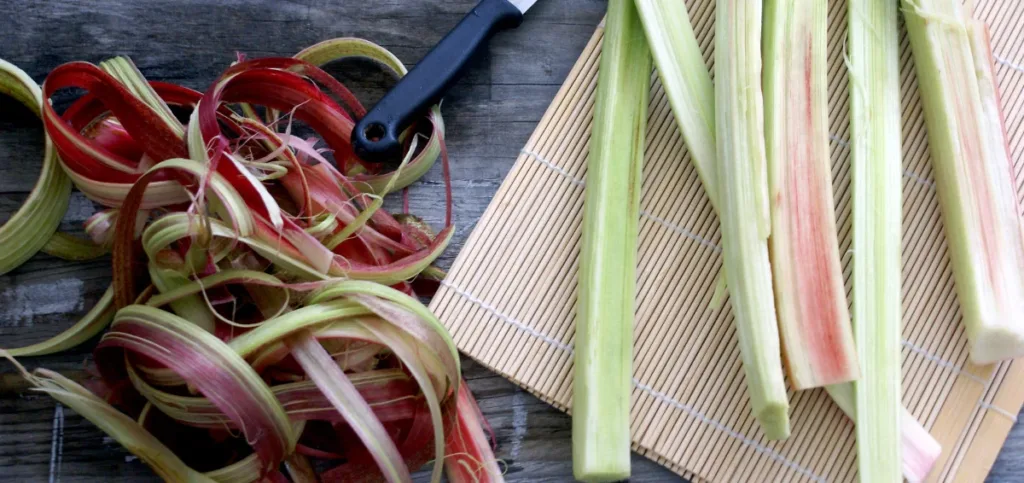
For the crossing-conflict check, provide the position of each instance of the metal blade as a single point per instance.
(523, 5)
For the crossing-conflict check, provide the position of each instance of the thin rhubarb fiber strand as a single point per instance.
(876, 171)
(814, 318)
(602, 380)
(974, 173)
(390, 393)
(425, 376)
(328, 51)
(208, 364)
(469, 455)
(744, 217)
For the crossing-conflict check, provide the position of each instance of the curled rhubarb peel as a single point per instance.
(263, 300)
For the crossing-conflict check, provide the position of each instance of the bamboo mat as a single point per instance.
(509, 298)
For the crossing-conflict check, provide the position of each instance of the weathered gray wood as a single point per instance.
(489, 115)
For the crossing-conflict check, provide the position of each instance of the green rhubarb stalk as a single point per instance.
(814, 318)
(687, 82)
(973, 173)
(873, 63)
(744, 215)
(920, 449)
(604, 326)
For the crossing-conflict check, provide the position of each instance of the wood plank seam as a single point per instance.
(57, 443)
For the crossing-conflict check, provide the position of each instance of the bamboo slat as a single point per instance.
(510, 297)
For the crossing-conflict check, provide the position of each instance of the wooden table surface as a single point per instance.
(489, 116)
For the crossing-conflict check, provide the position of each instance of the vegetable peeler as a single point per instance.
(376, 136)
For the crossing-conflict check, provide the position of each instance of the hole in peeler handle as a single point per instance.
(375, 143)
(374, 132)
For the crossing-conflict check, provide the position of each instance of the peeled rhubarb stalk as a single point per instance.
(744, 208)
(877, 178)
(974, 173)
(810, 298)
(920, 449)
(611, 208)
(687, 82)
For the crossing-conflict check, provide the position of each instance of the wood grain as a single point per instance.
(490, 115)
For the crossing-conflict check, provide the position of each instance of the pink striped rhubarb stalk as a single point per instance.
(974, 173)
(814, 320)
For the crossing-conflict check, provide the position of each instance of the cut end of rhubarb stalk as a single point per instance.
(920, 449)
(774, 419)
(743, 208)
(999, 343)
(601, 475)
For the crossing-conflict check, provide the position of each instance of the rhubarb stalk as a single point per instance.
(604, 323)
(744, 205)
(873, 63)
(687, 82)
(920, 449)
(973, 172)
(814, 319)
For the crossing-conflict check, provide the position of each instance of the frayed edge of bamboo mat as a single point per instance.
(509, 299)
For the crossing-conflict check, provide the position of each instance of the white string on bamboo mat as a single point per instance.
(956, 368)
(992, 407)
(540, 159)
(1004, 61)
(508, 320)
(703, 241)
(568, 347)
(760, 448)
(682, 231)
(906, 172)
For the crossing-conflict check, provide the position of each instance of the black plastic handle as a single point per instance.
(375, 137)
